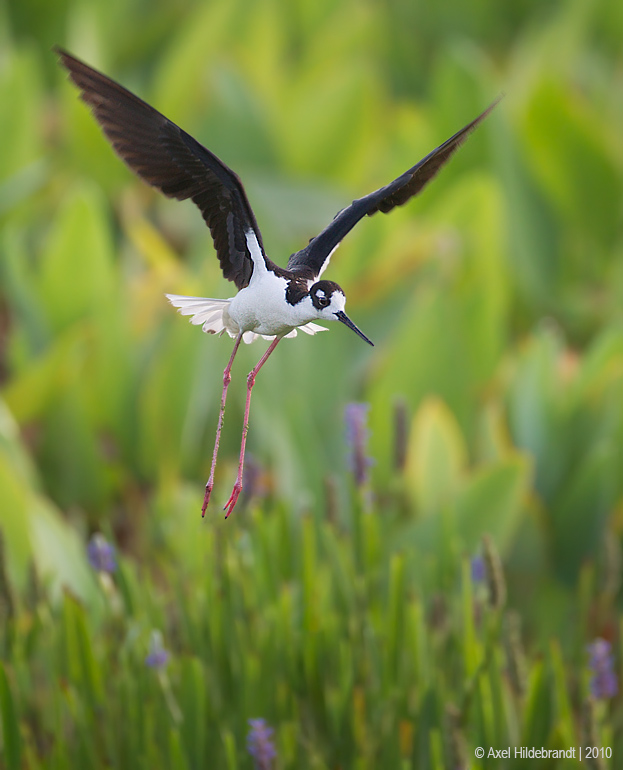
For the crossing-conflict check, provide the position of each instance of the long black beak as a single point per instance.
(341, 316)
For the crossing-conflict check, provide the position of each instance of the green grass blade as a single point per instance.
(11, 739)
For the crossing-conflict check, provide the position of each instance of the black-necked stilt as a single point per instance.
(272, 301)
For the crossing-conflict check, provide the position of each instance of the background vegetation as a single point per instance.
(348, 618)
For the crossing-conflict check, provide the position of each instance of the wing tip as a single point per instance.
(68, 60)
(485, 113)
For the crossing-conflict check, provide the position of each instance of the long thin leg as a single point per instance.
(221, 414)
(231, 503)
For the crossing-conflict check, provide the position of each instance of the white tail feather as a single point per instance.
(204, 311)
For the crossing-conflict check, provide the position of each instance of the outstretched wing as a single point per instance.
(168, 158)
(313, 258)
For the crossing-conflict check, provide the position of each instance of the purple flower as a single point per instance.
(357, 435)
(101, 554)
(260, 745)
(604, 681)
(158, 656)
(255, 480)
(479, 569)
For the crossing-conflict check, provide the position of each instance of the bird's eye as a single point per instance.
(320, 299)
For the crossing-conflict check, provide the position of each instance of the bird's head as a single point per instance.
(328, 300)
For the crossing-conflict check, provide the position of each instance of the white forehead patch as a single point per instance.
(321, 293)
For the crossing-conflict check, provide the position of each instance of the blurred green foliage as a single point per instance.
(495, 304)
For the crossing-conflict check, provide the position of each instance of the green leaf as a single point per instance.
(601, 365)
(231, 756)
(436, 457)
(20, 132)
(11, 738)
(579, 514)
(471, 647)
(533, 236)
(537, 410)
(76, 272)
(177, 758)
(59, 554)
(426, 353)
(394, 624)
(14, 520)
(90, 680)
(577, 164)
(180, 76)
(492, 502)
(564, 712)
(193, 703)
(32, 391)
(538, 708)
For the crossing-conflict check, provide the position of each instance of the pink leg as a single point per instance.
(231, 503)
(221, 414)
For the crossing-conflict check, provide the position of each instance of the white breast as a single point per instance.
(262, 307)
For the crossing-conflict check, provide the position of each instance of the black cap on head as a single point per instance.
(321, 293)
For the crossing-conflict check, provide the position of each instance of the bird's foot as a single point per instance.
(206, 499)
(231, 503)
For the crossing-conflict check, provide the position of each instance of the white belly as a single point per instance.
(262, 308)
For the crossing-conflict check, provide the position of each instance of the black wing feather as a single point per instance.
(168, 158)
(311, 259)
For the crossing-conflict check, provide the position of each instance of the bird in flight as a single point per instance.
(272, 302)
